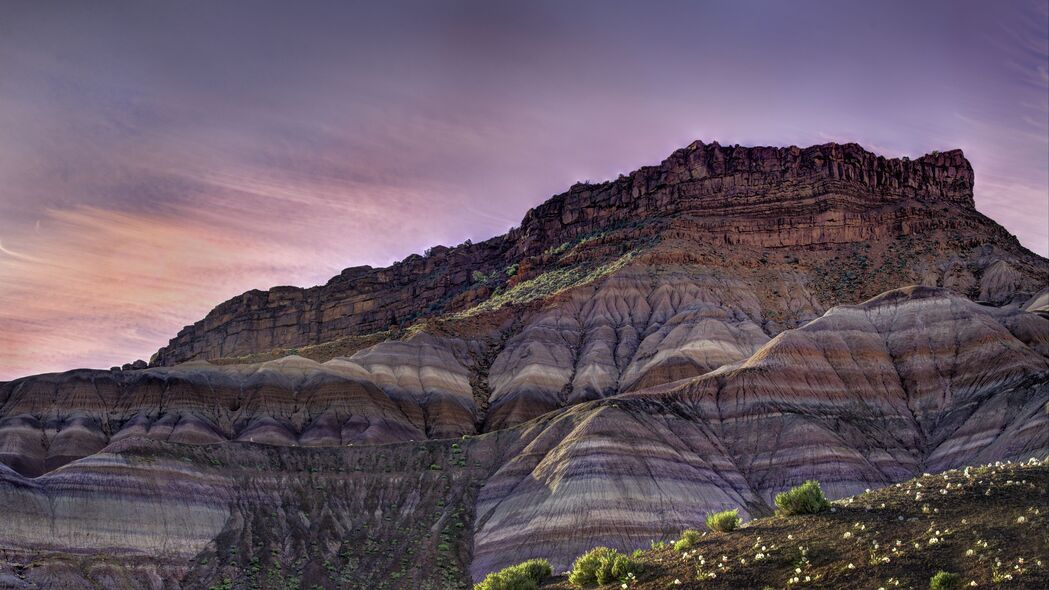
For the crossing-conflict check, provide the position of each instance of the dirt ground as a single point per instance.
(988, 524)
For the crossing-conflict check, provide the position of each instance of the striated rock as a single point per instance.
(742, 202)
(915, 380)
(395, 391)
(634, 329)
(637, 354)
(152, 514)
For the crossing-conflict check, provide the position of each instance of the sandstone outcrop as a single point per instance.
(746, 203)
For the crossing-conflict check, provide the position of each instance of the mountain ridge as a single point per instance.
(719, 183)
(610, 377)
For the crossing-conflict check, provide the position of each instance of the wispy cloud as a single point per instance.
(157, 159)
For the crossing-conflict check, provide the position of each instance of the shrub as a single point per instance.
(523, 576)
(724, 522)
(945, 581)
(622, 565)
(478, 276)
(689, 537)
(807, 498)
(602, 565)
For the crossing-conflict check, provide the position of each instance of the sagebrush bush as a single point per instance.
(807, 498)
(523, 576)
(601, 566)
(945, 581)
(724, 522)
(689, 537)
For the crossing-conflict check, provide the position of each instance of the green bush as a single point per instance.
(602, 565)
(724, 522)
(945, 581)
(622, 565)
(689, 537)
(807, 498)
(523, 576)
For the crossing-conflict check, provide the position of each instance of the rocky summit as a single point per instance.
(697, 336)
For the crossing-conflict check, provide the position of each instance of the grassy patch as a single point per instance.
(523, 576)
(548, 284)
(724, 522)
(807, 498)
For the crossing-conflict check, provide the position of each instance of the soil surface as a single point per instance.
(988, 524)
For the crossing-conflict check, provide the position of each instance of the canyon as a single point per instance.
(696, 336)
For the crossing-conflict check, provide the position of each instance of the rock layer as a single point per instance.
(915, 380)
(637, 354)
(727, 197)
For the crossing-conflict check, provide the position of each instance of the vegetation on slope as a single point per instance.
(984, 527)
(548, 284)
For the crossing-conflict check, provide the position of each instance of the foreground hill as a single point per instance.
(989, 525)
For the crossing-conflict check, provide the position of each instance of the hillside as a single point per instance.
(987, 524)
(617, 471)
(697, 336)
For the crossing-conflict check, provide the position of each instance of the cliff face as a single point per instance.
(725, 197)
(696, 336)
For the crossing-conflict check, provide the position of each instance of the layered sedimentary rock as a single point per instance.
(152, 514)
(395, 391)
(915, 380)
(632, 330)
(637, 354)
(743, 201)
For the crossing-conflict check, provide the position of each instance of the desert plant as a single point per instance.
(945, 581)
(725, 521)
(622, 566)
(600, 566)
(523, 576)
(689, 537)
(807, 498)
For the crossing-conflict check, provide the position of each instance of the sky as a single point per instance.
(157, 158)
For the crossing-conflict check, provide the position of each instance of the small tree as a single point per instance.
(807, 498)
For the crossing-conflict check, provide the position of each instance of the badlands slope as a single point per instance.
(698, 335)
(918, 380)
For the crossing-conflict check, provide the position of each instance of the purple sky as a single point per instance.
(157, 158)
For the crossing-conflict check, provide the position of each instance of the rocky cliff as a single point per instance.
(745, 201)
(696, 336)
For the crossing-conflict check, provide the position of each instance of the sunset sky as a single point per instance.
(157, 158)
